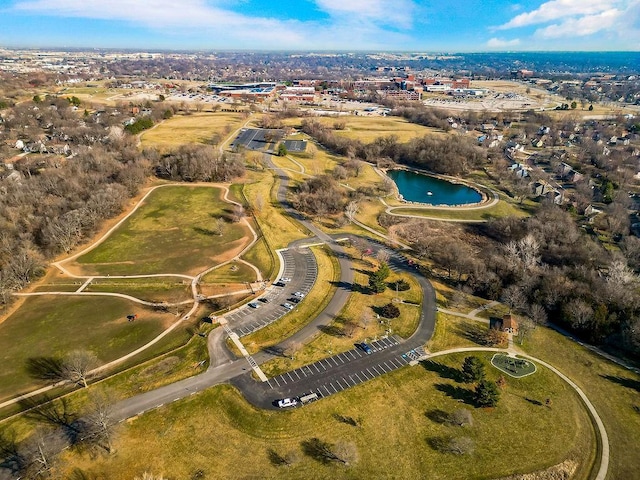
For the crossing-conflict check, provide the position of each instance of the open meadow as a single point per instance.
(174, 231)
(47, 326)
(203, 127)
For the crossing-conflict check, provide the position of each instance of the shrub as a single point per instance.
(390, 311)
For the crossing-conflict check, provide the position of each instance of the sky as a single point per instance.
(321, 25)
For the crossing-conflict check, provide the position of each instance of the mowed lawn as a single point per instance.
(173, 232)
(52, 326)
(196, 128)
(217, 434)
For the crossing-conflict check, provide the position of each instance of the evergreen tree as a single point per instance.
(487, 394)
(473, 369)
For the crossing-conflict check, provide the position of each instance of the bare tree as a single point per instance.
(538, 314)
(98, 424)
(237, 213)
(365, 318)
(461, 417)
(513, 297)
(218, 226)
(383, 256)
(351, 210)
(77, 364)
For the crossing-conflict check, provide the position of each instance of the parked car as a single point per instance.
(366, 348)
(287, 402)
(294, 299)
(264, 300)
(279, 284)
(287, 305)
(285, 279)
(254, 305)
(298, 294)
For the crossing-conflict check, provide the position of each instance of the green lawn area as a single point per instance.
(260, 256)
(152, 289)
(52, 326)
(234, 272)
(225, 437)
(612, 389)
(172, 232)
(502, 209)
(195, 128)
(452, 332)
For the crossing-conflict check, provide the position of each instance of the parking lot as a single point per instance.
(345, 370)
(256, 138)
(301, 268)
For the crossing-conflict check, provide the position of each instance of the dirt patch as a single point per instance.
(562, 471)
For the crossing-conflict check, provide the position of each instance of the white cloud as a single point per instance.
(387, 12)
(501, 43)
(559, 9)
(580, 27)
(213, 21)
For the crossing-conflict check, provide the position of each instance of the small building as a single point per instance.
(509, 324)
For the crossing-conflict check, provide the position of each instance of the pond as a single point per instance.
(416, 187)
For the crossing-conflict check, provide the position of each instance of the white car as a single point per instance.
(285, 279)
(287, 402)
(287, 306)
(299, 294)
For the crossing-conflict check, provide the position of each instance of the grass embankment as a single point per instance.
(50, 327)
(453, 332)
(501, 209)
(389, 445)
(203, 127)
(358, 321)
(172, 232)
(308, 309)
(263, 258)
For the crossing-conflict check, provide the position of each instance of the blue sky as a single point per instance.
(400, 25)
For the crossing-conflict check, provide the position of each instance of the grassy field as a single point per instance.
(260, 256)
(160, 238)
(453, 332)
(52, 326)
(155, 289)
(612, 389)
(196, 128)
(502, 209)
(278, 229)
(224, 437)
(368, 128)
(234, 272)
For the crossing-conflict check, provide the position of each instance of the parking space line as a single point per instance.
(316, 367)
(290, 376)
(356, 374)
(299, 377)
(283, 380)
(269, 383)
(374, 367)
(334, 388)
(325, 387)
(276, 380)
(394, 363)
(390, 368)
(340, 358)
(303, 372)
